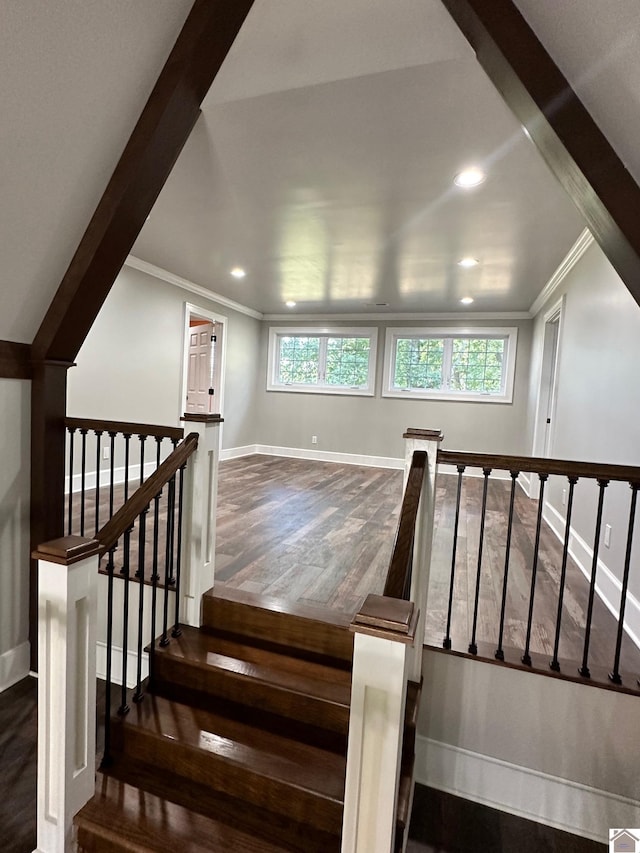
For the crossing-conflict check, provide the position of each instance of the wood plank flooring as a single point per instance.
(322, 533)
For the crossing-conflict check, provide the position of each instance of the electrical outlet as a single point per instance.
(607, 535)
(314, 439)
(105, 453)
(564, 497)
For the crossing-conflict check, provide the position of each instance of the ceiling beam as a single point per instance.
(567, 137)
(15, 360)
(157, 139)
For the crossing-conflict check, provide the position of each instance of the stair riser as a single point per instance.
(219, 774)
(269, 626)
(171, 675)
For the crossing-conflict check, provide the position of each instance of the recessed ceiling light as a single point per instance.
(238, 272)
(467, 263)
(290, 303)
(469, 178)
(466, 300)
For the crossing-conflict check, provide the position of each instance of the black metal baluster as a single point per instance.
(554, 663)
(176, 626)
(584, 669)
(83, 433)
(155, 577)
(98, 433)
(168, 563)
(124, 708)
(473, 646)
(107, 759)
(505, 577)
(127, 441)
(615, 675)
(526, 657)
(142, 438)
(112, 436)
(446, 643)
(171, 528)
(138, 696)
(70, 523)
(158, 443)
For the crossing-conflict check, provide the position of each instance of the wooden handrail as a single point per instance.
(128, 428)
(539, 465)
(400, 564)
(142, 497)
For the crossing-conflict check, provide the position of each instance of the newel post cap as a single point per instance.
(424, 434)
(387, 618)
(67, 550)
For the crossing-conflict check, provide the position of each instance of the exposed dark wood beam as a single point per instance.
(162, 130)
(575, 149)
(157, 139)
(15, 360)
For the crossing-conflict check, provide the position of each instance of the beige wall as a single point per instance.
(15, 430)
(374, 425)
(130, 366)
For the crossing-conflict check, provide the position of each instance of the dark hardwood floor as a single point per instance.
(322, 533)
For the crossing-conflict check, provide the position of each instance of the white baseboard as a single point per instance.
(237, 452)
(314, 455)
(14, 665)
(118, 477)
(561, 803)
(116, 664)
(608, 587)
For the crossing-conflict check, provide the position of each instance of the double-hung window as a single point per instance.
(322, 361)
(450, 364)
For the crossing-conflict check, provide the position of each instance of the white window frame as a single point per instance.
(322, 332)
(509, 333)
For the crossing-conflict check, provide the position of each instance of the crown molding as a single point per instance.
(190, 286)
(575, 253)
(407, 316)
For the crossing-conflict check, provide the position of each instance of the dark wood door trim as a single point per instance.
(161, 132)
(15, 360)
(573, 146)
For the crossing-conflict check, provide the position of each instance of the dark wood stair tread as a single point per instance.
(242, 660)
(227, 755)
(302, 629)
(123, 817)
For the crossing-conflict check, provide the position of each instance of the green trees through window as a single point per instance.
(332, 361)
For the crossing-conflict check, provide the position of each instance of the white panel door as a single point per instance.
(199, 373)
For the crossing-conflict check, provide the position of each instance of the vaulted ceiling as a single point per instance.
(324, 162)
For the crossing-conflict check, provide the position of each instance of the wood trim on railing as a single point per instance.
(539, 465)
(15, 360)
(142, 497)
(125, 427)
(197, 418)
(400, 563)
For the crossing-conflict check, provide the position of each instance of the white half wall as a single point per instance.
(552, 751)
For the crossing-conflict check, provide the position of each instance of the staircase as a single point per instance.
(241, 746)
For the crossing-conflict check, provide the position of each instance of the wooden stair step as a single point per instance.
(307, 632)
(265, 769)
(124, 817)
(306, 691)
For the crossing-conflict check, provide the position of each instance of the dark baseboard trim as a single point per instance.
(448, 824)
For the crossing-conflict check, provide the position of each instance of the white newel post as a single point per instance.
(429, 441)
(199, 516)
(67, 611)
(384, 631)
